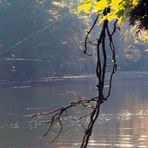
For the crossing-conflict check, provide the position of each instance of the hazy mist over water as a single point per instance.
(42, 67)
(39, 39)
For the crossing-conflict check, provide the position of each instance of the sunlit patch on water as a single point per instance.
(10, 126)
(104, 118)
(102, 143)
(66, 77)
(125, 116)
(21, 59)
(19, 87)
(125, 145)
(126, 137)
(71, 120)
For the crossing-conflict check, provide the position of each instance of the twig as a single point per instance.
(88, 33)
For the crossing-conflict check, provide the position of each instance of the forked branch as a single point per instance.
(102, 52)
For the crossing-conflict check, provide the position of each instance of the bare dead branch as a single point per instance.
(88, 33)
(100, 73)
(115, 27)
(95, 44)
(93, 104)
(60, 131)
(57, 114)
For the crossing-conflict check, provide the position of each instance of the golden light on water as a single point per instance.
(124, 128)
(139, 132)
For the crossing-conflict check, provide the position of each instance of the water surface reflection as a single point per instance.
(121, 124)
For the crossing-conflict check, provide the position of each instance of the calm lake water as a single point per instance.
(121, 124)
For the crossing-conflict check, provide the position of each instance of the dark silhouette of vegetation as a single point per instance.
(140, 15)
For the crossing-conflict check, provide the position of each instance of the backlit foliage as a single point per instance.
(118, 8)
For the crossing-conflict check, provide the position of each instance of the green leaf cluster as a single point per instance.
(119, 9)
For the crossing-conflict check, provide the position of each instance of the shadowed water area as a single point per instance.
(122, 122)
